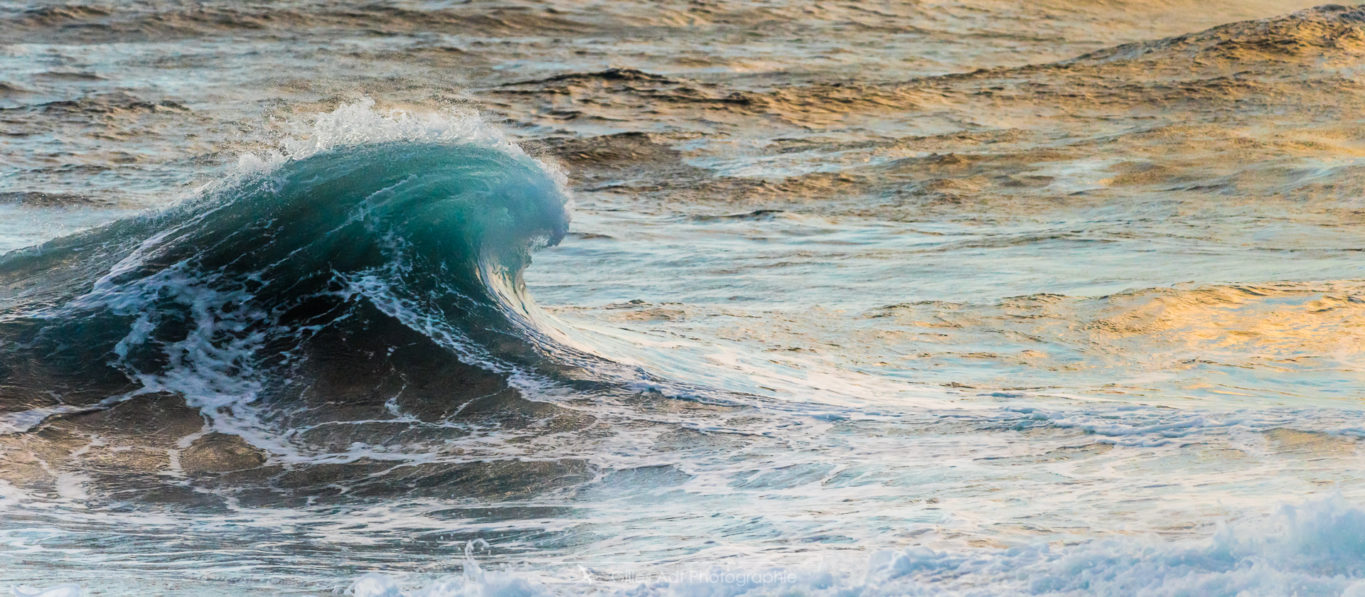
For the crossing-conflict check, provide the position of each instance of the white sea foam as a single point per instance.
(1317, 548)
(363, 122)
(66, 590)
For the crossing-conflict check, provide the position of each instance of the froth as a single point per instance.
(1313, 548)
(363, 122)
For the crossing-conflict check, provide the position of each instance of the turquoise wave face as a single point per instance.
(240, 295)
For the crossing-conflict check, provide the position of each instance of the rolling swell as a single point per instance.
(354, 282)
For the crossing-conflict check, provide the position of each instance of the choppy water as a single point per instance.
(703, 298)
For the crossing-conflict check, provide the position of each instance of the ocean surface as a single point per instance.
(753, 297)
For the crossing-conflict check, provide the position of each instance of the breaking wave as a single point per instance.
(357, 271)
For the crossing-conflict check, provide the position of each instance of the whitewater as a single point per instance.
(750, 298)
